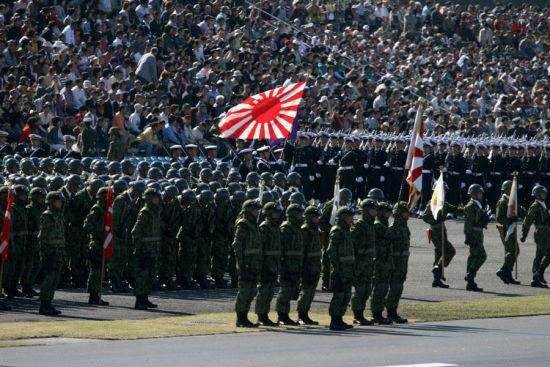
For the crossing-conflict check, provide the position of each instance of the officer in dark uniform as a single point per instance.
(377, 160)
(428, 170)
(455, 166)
(348, 166)
(440, 156)
(247, 163)
(544, 167)
(397, 160)
(495, 174)
(530, 169)
(262, 162)
(329, 169)
(192, 151)
(5, 148)
(303, 162)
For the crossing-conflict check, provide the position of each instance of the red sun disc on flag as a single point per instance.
(268, 115)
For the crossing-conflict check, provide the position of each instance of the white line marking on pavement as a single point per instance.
(426, 365)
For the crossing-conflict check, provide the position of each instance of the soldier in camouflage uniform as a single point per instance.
(17, 254)
(206, 229)
(223, 223)
(170, 217)
(32, 259)
(440, 238)
(125, 209)
(189, 239)
(382, 263)
(311, 267)
(3, 203)
(237, 199)
(117, 146)
(147, 234)
(248, 251)
(475, 221)
(51, 239)
(271, 258)
(94, 227)
(401, 237)
(292, 256)
(342, 259)
(539, 216)
(362, 234)
(325, 225)
(511, 248)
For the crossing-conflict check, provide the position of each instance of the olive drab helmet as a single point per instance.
(280, 179)
(384, 206)
(297, 198)
(400, 207)
(345, 195)
(294, 209)
(237, 199)
(54, 196)
(253, 193)
(312, 211)
(537, 190)
(345, 212)
(294, 179)
(270, 208)
(266, 197)
(252, 179)
(249, 205)
(506, 186)
(376, 194)
(475, 189)
(221, 197)
(369, 204)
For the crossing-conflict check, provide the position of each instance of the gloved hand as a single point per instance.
(318, 175)
(311, 178)
(331, 161)
(382, 179)
(468, 171)
(359, 179)
(462, 185)
(523, 238)
(489, 185)
(366, 165)
(280, 161)
(319, 162)
(520, 186)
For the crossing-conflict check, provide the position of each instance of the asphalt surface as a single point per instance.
(521, 341)
(418, 288)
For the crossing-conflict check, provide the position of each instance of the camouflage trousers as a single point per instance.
(542, 255)
(511, 252)
(94, 277)
(168, 259)
(204, 257)
(288, 289)
(31, 264)
(325, 263)
(362, 283)
(52, 266)
(266, 292)
(77, 255)
(187, 258)
(14, 266)
(220, 256)
(476, 258)
(398, 277)
(307, 293)
(247, 292)
(119, 262)
(341, 295)
(146, 268)
(450, 252)
(382, 273)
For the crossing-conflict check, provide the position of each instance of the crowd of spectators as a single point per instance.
(162, 72)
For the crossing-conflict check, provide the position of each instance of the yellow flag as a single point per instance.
(513, 200)
(438, 196)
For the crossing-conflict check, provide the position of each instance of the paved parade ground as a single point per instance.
(73, 303)
(505, 342)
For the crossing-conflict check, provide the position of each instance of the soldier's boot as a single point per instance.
(438, 283)
(336, 324)
(436, 271)
(359, 318)
(377, 318)
(472, 286)
(511, 279)
(148, 303)
(306, 320)
(220, 283)
(189, 284)
(47, 309)
(393, 316)
(263, 319)
(4, 307)
(14, 292)
(541, 276)
(54, 310)
(243, 321)
(344, 324)
(536, 282)
(140, 304)
(204, 283)
(503, 275)
(29, 292)
(284, 319)
(96, 300)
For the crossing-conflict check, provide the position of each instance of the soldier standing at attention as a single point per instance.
(401, 237)
(475, 221)
(311, 268)
(51, 238)
(170, 217)
(147, 235)
(94, 226)
(342, 259)
(362, 234)
(292, 256)
(271, 258)
(248, 251)
(189, 239)
(382, 263)
(539, 216)
(511, 248)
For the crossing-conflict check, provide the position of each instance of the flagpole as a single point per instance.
(443, 248)
(102, 274)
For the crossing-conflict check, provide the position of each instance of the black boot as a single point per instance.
(14, 292)
(4, 307)
(359, 319)
(204, 283)
(189, 284)
(472, 286)
(537, 283)
(336, 324)
(243, 321)
(541, 277)
(29, 292)
(148, 303)
(344, 324)
(304, 318)
(140, 304)
(436, 271)
(511, 279)
(377, 318)
(284, 319)
(263, 319)
(47, 309)
(394, 317)
(94, 299)
(220, 283)
(438, 283)
(503, 275)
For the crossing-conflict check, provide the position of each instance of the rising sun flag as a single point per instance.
(268, 115)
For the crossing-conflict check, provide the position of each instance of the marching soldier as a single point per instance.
(363, 237)
(292, 256)
(475, 221)
(510, 242)
(311, 268)
(342, 259)
(539, 216)
(271, 258)
(248, 251)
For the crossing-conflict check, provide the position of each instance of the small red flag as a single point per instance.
(6, 230)
(108, 242)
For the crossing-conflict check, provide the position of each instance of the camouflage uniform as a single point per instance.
(475, 220)
(292, 255)
(223, 223)
(538, 215)
(204, 248)
(382, 264)
(325, 227)
(342, 259)
(51, 238)
(311, 267)
(170, 217)
(77, 245)
(189, 239)
(147, 234)
(248, 251)
(271, 257)
(511, 248)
